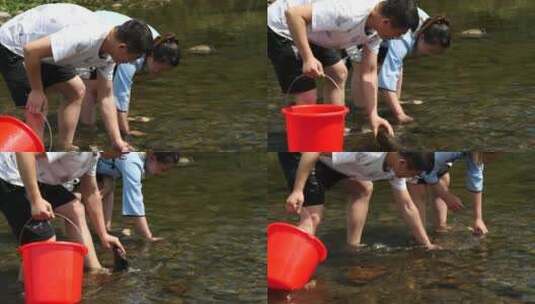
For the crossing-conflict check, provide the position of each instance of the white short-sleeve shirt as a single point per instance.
(56, 168)
(365, 166)
(76, 35)
(335, 24)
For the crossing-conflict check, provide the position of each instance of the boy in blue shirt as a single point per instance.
(132, 168)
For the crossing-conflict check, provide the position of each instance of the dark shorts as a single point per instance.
(16, 208)
(289, 65)
(320, 179)
(14, 73)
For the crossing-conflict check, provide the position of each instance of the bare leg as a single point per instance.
(310, 218)
(308, 97)
(419, 196)
(36, 121)
(360, 193)
(75, 211)
(73, 92)
(332, 94)
(107, 191)
(441, 209)
(87, 114)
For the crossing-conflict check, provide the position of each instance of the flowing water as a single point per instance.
(478, 95)
(496, 269)
(212, 215)
(212, 102)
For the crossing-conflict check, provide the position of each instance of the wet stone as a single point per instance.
(364, 274)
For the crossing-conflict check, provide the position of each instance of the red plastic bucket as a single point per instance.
(293, 256)
(53, 271)
(315, 128)
(16, 136)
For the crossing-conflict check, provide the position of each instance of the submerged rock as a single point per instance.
(474, 33)
(116, 5)
(201, 49)
(364, 274)
(139, 118)
(4, 16)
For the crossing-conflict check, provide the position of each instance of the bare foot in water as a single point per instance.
(443, 229)
(98, 271)
(137, 133)
(404, 118)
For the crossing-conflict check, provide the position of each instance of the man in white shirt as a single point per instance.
(309, 179)
(304, 36)
(31, 187)
(40, 49)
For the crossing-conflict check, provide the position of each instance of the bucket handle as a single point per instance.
(58, 214)
(45, 119)
(287, 95)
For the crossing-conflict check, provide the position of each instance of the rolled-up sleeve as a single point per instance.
(132, 173)
(474, 175)
(122, 85)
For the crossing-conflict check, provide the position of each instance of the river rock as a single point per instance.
(201, 49)
(116, 5)
(4, 16)
(139, 118)
(364, 274)
(474, 33)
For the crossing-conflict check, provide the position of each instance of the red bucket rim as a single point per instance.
(322, 250)
(37, 141)
(339, 110)
(77, 246)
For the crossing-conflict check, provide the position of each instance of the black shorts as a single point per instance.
(289, 65)
(320, 179)
(14, 73)
(16, 208)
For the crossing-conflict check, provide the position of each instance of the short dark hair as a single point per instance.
(167, 157)
(137, 36)
(421, 161)
(436, 31)
(165, 49)
(402, 13)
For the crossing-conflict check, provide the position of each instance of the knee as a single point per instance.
(340, 74)
(315, 218)
(76, 92)
(78, 209)
(367, 190)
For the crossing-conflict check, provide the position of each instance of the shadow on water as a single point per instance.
(391, 269)
(212, 218)
(212, 102)
(478, 95)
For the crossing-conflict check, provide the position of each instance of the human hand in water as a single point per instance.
(109, 241)
(313, 68)
(35, 101)
(42, 210)
(295, 201)
(376, 122)
(454, 203)
(479, 228)
(122, 146)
